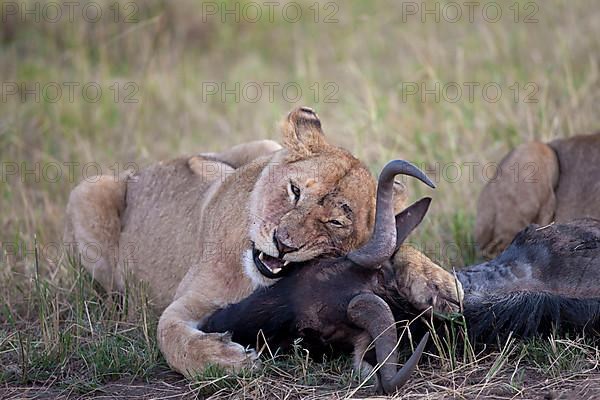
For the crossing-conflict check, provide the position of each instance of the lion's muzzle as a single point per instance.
(268, 266)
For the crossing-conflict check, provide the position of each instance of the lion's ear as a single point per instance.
(400, 197)
(521, 193)
(302, 133)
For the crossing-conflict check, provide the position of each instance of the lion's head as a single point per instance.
(312, 199)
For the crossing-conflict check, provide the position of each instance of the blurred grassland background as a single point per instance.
(168, 52)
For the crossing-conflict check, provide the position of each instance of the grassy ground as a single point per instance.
(371, 72)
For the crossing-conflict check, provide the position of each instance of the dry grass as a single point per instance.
(61, 336)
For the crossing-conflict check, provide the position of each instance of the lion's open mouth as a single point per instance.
(270, 267)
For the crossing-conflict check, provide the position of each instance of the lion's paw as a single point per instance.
(425, 284)
(201, 350)
(435, 288)
(233, 356)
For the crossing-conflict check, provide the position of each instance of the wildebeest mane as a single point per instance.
(491, 316)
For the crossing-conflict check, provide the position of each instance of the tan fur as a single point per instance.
(239, 155)
(514, 199)
(424, 283)
(185, 228)
(557, 181)
(99, 202)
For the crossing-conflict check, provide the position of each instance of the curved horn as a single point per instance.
(406, 371)
(369, 312)
(383, 241)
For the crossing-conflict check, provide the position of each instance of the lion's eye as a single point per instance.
(295, 191)
(336, 223)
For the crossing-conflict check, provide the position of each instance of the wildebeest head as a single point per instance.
(369, 311)
(338, 301)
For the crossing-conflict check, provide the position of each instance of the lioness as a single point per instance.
(206, 231)
(539, 183)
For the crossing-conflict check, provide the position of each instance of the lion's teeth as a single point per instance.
(286, 263)
(261, 256)
(276, 270)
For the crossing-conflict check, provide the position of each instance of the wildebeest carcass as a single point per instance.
(547, 279)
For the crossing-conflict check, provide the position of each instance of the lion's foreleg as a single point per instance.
(189, 350)
(424, 283)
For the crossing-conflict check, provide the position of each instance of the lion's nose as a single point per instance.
(282, 247)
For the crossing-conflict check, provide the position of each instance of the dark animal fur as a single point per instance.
(527, 314)
(547, 279)
(294, 307)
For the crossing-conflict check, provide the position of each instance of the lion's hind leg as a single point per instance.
(211, 166)
(93, 227)
(244, 153)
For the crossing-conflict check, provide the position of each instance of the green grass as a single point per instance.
(61, 335)
(69, 338)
